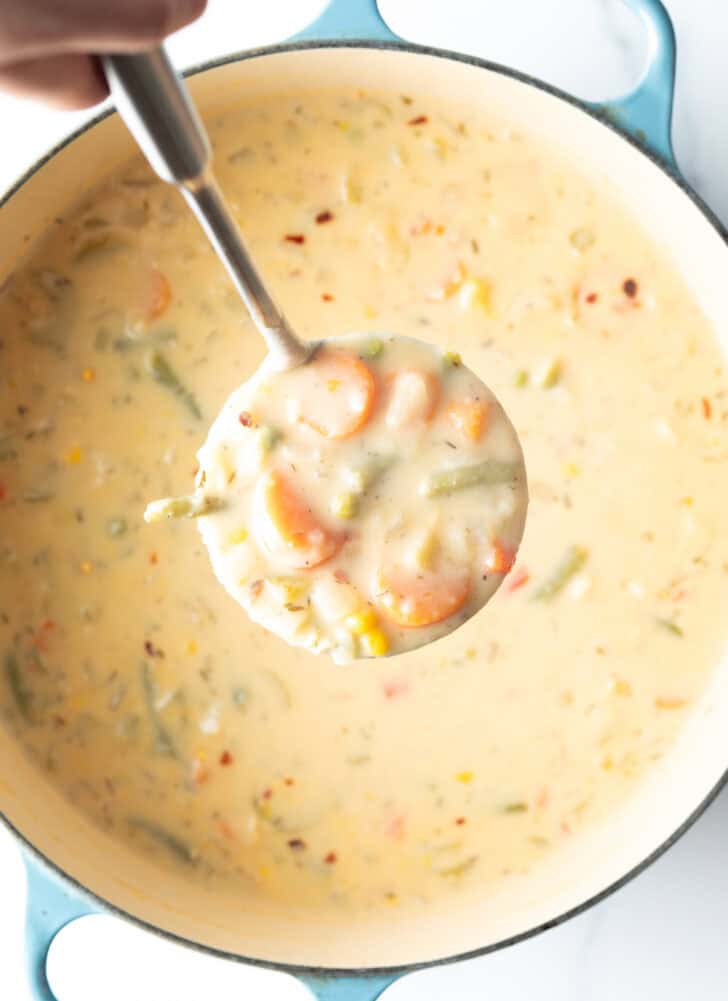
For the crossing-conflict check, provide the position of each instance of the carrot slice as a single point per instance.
(501, 557)
(413, 397)
(333, 394)
(470, 417)
(413, 599)
(159, 296)
(289, 524)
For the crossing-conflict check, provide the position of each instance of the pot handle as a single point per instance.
(646, 111)
(51, 904)
(334, 987)
(348, 19)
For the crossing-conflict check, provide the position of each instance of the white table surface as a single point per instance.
(663, 937)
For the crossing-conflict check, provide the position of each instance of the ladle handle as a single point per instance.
(158, 111)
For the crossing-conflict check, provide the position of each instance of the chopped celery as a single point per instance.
(487, 473)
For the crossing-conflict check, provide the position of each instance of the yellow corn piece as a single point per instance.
(74, 455)
(191, 647)
(376, 642)
(235, 538)
(475, 293)
(88, 375)
(464, 777)
(86, 567)
(361, 622)
(344, 505)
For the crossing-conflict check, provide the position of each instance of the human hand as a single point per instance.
(47, 46)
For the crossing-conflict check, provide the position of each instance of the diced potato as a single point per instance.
(333, 601)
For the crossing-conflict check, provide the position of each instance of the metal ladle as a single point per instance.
(158, 111)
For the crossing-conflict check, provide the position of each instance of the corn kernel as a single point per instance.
(88, 375)
(86, 566)
(235, 538)
(547, 376)
(376, 642)
(475, 292)
(361, 622)
(74, 455)
(622, 687)
(571, 469)
(370, 312)
(452, 359)
(191, 647)
(464, 777)
(333, 384)
(344, 505)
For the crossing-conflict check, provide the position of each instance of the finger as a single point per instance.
(49, 26)
(66, 81)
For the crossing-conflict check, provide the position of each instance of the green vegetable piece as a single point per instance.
(268, 437)
(581, 239)
(460, 868)
(373, 348)
(116, 527)
(344, 505)
(521, 378)
(194, 506)
(452, 359)
(163, 743)
(98, 245)
(21, 693)
(240, 696)
(163, 373)
(171, 842)
(670, 626)
(150, 340)
(572, 561)
(517, 807)
(38, 496)
(487, 473)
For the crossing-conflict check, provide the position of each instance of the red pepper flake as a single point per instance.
(152, 651)
(297, 844)
(294, 238)
(289, 781)
(327, 297)
(245, 419)
(324, 216)
(519, 579)
(226, 758)
(331, 858)
(460, 821)
(707, 408)
(629, 287)
(394, 688)
(153, 559)
(266, 794)
(256, 589)
(341, 577)
(3, 491)
(592, 298)
(418, 120)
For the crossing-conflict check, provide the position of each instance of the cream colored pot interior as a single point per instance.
(675, 789)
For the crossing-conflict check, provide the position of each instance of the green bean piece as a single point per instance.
(670, 626)
(517, 807)
(487, 473)
(163, 373)
(163, 743)
(21, 693)
(170, 841)
(116, 527)
(194, 506)
(150, 340)
(460, 868)
(572, 561)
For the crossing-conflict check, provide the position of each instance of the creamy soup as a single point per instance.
(140, 685)
(365, 503)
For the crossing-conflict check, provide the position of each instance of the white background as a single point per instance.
(663, 937)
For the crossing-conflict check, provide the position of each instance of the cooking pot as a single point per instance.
(73, 867)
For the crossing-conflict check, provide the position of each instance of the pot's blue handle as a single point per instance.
(336, 987)
(646, 112)
(348, 19)
(51, 904)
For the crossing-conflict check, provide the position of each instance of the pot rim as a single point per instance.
(599, 112)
